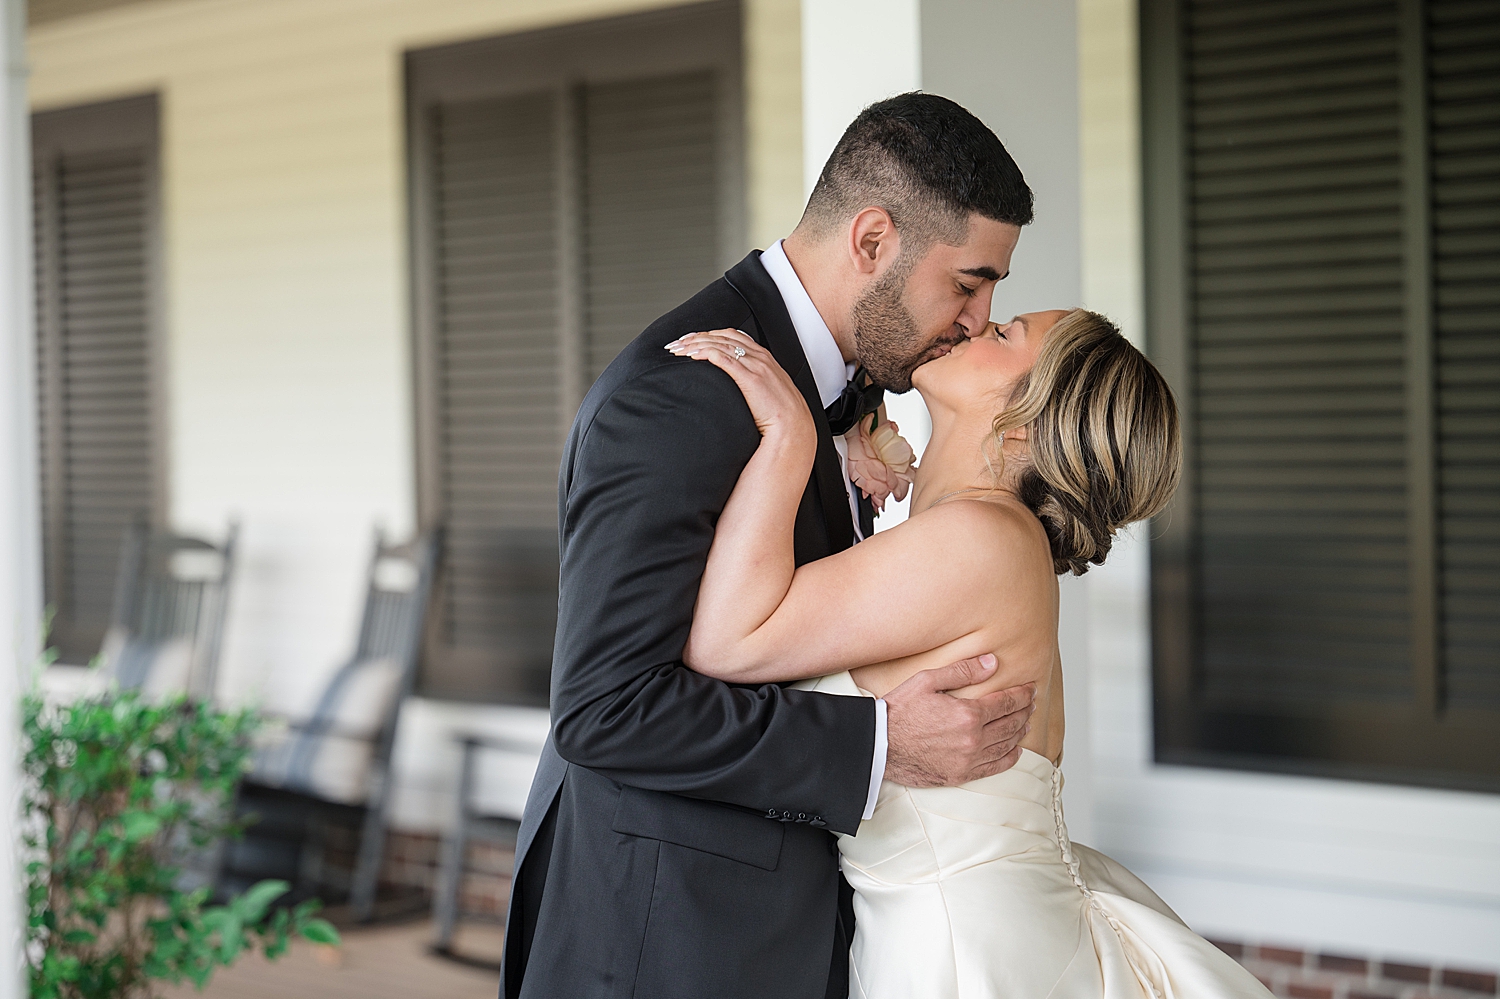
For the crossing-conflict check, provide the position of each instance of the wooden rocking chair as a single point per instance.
(324, 783)
(171, 599)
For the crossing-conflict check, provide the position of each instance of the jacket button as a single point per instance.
(817, 822)
(801, 816)
(786, 816)
(771, 813)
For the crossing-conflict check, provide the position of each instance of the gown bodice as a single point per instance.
(976, 892)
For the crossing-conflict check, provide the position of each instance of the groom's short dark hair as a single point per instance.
(929, 163)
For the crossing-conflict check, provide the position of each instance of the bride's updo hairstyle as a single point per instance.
(1102, 432)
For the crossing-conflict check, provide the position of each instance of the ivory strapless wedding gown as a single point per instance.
(975, 892)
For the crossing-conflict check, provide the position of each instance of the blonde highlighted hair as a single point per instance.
(1102, 432)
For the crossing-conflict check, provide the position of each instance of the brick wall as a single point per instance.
(412, 860)
(1298, 974)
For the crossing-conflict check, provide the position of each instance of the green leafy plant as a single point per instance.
(121, 794)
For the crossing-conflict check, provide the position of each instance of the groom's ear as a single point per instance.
(873, 241)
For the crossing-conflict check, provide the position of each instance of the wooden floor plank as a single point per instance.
(373, 963)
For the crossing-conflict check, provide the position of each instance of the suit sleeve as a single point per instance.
(643, 487)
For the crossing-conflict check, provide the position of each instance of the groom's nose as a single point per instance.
(976, 314)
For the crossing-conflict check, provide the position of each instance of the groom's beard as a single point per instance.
(886, 337)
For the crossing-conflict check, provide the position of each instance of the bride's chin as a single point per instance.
(928, 381)
(921, 379)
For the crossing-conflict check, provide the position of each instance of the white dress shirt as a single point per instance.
(830, 374)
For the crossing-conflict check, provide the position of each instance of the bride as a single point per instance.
(1049, 434)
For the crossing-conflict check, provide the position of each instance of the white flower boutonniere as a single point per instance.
(880, 459)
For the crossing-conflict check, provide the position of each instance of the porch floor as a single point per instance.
(374, 962)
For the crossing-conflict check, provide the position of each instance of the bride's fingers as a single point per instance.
(723, 358)
(731, 339)
(711, 350)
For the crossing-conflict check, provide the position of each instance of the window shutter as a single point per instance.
(495, 176)
(1295, 221)
(1323, 264)
(1465, 136)
(569, 186)
(93, 185)
(650, 204)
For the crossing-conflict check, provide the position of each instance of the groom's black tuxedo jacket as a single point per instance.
(678, 837)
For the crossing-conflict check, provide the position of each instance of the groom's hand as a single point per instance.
(934, 739)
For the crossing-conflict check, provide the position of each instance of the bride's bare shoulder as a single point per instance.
(998, 531)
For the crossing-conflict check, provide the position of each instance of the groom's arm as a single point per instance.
(642, 490)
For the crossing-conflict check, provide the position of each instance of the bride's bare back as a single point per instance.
(1014, 608)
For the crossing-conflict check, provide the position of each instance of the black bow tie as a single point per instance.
(860, 398)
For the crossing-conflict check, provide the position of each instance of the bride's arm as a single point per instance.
(751, 562)
(760, 619)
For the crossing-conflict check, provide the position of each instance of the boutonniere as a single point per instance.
(880, 459)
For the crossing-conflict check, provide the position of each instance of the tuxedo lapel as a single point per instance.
(755, 286)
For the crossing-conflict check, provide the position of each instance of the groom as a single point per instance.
(678, 841)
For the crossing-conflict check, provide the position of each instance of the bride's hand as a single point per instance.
(780, 412)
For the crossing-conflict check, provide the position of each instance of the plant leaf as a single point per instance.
(253, 904)
(321, 931)
(139, 826)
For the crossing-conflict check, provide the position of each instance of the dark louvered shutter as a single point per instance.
(650, 204)
(495, 176)
(1296, 292)
(1465, 54)
(569, 189)
(94, 203)
(1323, 274)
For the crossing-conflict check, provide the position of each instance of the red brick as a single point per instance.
(1296, 991)
(1339, 962)
(1405, 972)
(1234, 950)
(1483, 982)
(1281, 955)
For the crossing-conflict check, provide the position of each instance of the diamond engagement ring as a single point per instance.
(739, 351)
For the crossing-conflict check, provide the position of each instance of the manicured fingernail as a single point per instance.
(987, 661)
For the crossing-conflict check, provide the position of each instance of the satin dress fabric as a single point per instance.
(976, 892)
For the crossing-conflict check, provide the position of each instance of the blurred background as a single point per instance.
(306, 269)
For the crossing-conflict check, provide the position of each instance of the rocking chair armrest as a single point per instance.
(306, 725)
(471, 742)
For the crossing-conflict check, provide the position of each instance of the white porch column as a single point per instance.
(856, 52)
(20, 602)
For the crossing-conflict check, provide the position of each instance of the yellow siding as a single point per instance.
(773, 118)
(286, 286)
(1109, 153)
